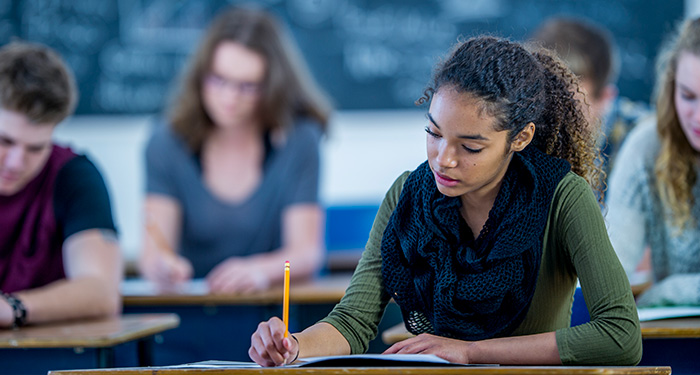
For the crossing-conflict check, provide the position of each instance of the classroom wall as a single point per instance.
(362, 154)
(692, 8)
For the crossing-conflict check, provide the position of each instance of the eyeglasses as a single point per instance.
(244, 88)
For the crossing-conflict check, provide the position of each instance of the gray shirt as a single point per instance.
(213, 229)
(637, 218)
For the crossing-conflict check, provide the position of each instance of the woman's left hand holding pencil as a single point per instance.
(269, 347)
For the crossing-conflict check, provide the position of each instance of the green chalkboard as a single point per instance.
(367, 54)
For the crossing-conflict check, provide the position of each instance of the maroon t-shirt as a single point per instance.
(66, 197)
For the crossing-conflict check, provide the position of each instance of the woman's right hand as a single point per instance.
(269, 347)
(167, 271)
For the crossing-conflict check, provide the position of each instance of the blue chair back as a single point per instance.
(579, 310)
(347, 227)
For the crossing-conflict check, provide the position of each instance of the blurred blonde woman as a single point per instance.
(654, 185)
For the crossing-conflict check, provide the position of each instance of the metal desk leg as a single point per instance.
(145, 351)
(105, 357)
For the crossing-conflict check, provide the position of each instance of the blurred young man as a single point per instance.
(590, 52)
(59, 256)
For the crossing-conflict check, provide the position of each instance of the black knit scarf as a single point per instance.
(450, 284)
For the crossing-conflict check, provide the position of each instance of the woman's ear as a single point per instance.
(523, 138)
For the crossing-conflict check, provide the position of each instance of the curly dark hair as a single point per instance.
(518, 85)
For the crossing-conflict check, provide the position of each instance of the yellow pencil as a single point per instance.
(285, 303)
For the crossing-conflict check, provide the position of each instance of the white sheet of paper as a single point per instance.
(425, 358)
(143, 287)
(656, 313)
(428, 358)
(215, 364)
(384, 360)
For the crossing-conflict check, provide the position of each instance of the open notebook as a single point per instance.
(356, 360)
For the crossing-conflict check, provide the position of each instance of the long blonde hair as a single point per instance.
(675, 164)
(288, 91)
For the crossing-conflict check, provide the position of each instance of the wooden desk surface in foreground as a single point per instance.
(500, 370)
(96, 333)
(329, 289)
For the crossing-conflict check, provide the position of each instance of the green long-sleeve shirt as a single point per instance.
(575, 245)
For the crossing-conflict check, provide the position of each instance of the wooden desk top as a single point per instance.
(329, 289)
(96, 333)
(671, 328)
(654, 329)
(499, 370)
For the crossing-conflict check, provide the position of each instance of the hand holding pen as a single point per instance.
(166, 269)
(271, 344)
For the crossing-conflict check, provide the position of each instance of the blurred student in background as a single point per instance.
(590, 52)
(654, 187)
(232, 177)
(59, 256)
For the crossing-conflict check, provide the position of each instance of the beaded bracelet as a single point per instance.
(18, 310)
